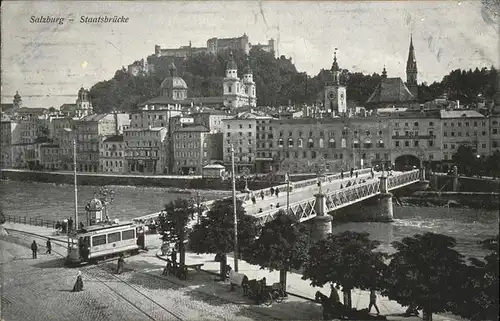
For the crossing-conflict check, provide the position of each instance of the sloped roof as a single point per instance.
(5, 107)
(94, 117)
(460, 114)
(67, 107)
(115, 138)
(187, 101)
(390, 90)
(193, 128)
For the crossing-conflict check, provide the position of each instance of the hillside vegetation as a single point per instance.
(278, 82)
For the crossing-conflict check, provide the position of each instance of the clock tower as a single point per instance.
(335, 91)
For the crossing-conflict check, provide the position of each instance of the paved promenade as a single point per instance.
(293, 308)
(300, 194)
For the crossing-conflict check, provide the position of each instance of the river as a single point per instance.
(55, 202)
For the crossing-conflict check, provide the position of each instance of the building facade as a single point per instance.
(11, 135)
(50, 157)
(145, 150)
(191, 149)
(240, 134)
(112, 154)
(238, 92)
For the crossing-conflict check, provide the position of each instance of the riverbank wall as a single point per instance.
(98, 179)
(484, 200)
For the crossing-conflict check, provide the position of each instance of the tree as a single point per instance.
(477, 298)
(215, 232)
(2, 215)
(492, 164)
(282, 245)
(424, 272)
(465, 160)
(173, 223)
(347, 259)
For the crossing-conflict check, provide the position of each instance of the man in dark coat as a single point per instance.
(262, 195)
(334, 295)
(70, 224)
(49, 247)
(120, 265)
(173, 258)
(34, 249)
(79, 283)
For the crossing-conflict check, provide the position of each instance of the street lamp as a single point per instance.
(234, 210)
(74, 176)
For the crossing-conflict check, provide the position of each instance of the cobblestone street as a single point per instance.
(40, 290)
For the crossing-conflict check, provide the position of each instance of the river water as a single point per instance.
(55, 202)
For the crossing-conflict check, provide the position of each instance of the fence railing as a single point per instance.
(30, 221)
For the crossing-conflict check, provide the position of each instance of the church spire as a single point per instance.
(411, 63)
(335, 65)
(411, 70)
(384, 73)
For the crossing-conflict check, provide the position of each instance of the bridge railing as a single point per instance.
(352, 194)
(27, 220)
(402, 179)
(245, 197)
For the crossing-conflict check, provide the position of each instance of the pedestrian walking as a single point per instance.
(278, 205)
(272, 191)
(334, 295)
(173, 258)
(352, 171)
(120, 265)
(64, 226)
(70, 225)
(356, 174)
(49, 247)
(254, 201)
(342, 174)
(262, 195)
(57, 226)
(373, 301)
(81, 226)
(79, 283)
(372, 173)
(34, 249)
(276, 191)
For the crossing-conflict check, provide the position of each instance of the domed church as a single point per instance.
(174, 87)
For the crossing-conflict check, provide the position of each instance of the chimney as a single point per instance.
(115, 115)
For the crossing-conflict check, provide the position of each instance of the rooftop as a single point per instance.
(115, 138)
(390, 90)
(193, 128)
(461, 114)
(94, 117)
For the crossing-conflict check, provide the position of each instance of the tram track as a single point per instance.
(101, 265)
(87, 270)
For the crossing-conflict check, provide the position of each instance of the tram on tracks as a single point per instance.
(104, 240)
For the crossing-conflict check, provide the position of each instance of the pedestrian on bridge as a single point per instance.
(352, 171)
(34, 249)
(70, 225)
(342, 174)
(262, 195)
(254, 201)
(276, 191)
(372, 173)
(356, 174)
(49, 247)
(272, 191)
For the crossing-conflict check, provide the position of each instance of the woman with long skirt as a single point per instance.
(79, 283)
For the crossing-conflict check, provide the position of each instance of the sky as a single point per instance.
(48, 63)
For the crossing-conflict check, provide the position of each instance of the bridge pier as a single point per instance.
(434, 182)
(423, 184)
(322, 223)
(384, 209)
(454, 179)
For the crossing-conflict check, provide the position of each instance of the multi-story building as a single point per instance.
(215, 45)
(415, 135)
(153, 118)
(193, 148)
(145, 150)
(112, 154)
(494, 132)
(138, 67)
(11, 135)
(264, 143)
(239, 133)
(211, 119)
(91, 131)
(464, 127)
(50, 158)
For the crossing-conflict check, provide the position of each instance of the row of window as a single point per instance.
(459, 134)
(162, 124)
(142, 153)
(416, 143)
(415, 124)
(190, 154)
(144, 133)
(453, 146)
(113, 237)
(116, 163)
(110, 154)
(467, 124)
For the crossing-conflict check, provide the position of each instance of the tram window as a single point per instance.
(98, 240)
(114, 237)
(127, 235)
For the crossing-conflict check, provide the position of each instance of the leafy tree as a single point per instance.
(465, 159)
(282, 245)
(173, 223)
(423, 272)
(2, 215)
(477, 298)
(215, 232)
(492, 165)
(347, 259)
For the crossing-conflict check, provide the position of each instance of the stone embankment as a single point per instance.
(483, 200)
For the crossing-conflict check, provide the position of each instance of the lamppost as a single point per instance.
(74, 175)
(234, 211)
(287, 178)
(198, 200)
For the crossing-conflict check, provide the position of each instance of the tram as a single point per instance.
(105, 240)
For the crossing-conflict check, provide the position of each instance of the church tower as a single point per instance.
(17, 102)
(335, 91)
(83, 104)
(231, 84)
(411, 71)
(249, 85)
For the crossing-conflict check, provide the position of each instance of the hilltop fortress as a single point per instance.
(164, 56)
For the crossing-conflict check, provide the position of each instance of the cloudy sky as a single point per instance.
(48, 63)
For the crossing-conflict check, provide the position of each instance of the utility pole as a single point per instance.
(287, 193)
(75, 182)
(234, 210)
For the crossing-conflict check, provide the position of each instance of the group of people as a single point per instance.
(34, 248)
(334, 295)
(66, 226)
